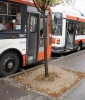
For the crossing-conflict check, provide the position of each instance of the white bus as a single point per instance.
(21, 35)
(68, 32)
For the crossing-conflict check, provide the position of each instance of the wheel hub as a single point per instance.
(9, 64)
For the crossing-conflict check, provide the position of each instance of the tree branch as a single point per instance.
(37, 6)
(48, 2)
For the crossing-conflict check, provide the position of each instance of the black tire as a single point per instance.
(9, 63)
(79, 47)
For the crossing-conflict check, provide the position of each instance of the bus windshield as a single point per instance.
(57, 24)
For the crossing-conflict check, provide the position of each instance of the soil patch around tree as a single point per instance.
(59, 80)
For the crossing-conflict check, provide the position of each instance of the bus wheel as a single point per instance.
(9, 63)
(79, 46)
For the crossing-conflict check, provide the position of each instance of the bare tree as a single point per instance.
(42, 5)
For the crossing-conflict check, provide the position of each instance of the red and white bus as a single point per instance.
(21, 35)
(68, 32)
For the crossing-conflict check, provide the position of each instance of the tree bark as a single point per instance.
(45, 44)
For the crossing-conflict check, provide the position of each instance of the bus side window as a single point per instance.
(3, 13)
(41, 42)
(79, 26)
(17, 23)
(54, 24)
(83, 27)
(83, 31)
(15, 11)
(10, 11)
(2, 27)
(3, 8)
(33, 24)
(41, 27)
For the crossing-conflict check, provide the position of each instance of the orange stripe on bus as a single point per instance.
(41, 54)
(53, 40)
(24, 60)
(75, 18)
(23, 2)
(77, 41)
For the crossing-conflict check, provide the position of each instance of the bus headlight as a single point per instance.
(58, 41)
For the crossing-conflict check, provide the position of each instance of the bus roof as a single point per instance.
(65, 9)
(68, 13)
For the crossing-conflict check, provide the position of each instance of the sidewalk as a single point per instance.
(76, 93)
(9, 90)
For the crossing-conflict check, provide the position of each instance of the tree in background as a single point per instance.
(42, 5)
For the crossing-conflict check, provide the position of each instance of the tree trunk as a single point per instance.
(45, 44)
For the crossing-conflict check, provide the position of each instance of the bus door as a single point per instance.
(70, 35)
(32, 37)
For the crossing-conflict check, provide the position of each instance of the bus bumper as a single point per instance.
(58, 50)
